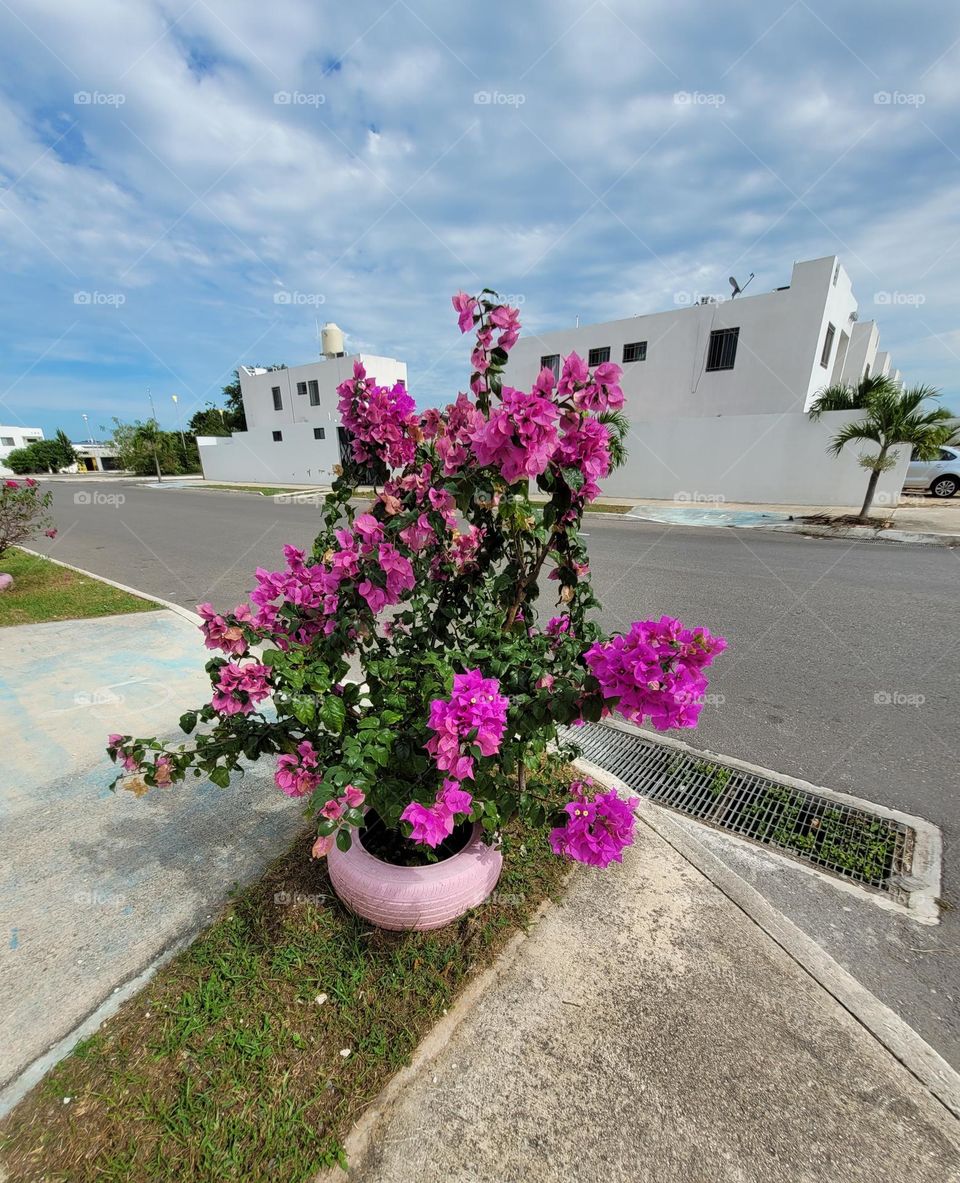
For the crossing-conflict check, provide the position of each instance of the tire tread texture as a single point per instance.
(415, 898)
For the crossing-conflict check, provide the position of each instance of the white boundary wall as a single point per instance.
(772, 459)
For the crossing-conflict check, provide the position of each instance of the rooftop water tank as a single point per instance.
(331, 340)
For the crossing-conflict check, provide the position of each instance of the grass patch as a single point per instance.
(225, 1067)
(264, 490)
(45, 591)
(594, 507)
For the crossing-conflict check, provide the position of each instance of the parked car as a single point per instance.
(940, 477)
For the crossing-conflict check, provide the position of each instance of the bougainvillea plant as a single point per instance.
(402, 666)
(24, 512)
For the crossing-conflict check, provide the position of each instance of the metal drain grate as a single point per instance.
(852, 843)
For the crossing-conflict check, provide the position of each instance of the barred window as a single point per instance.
(722, 352)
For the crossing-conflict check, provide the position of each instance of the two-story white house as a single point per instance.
(293, 431)
(15, 437)
(716, 391)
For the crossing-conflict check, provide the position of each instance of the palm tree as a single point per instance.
(893, 416)
(843, 397)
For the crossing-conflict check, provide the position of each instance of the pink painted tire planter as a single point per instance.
(6, 582)
(420, 898)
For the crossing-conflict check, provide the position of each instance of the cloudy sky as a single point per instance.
(190, 185)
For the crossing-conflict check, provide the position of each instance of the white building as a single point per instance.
(716, 392)
(293, 431)
(15, 437)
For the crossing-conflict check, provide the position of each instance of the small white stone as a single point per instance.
(320, 999)
(345, 1051)
(67, 1100)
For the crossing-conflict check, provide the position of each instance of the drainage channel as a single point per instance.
(884, 852)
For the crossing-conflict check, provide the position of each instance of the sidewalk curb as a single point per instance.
(812, 530)
(925, 1064)
(133, 591)
(865, 534)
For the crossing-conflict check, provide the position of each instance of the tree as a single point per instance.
(893, 416)
(40, 456)
(67, 452)
(144, 449)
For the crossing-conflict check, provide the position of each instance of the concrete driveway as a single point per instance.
(96, 886)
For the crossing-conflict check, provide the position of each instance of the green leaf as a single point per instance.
(344, 839)
(333, 713)
(220, 776)
(188, 721)
(304, 709)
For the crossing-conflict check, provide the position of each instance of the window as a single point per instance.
(6, 441)
(314, 393)
(827, 346)
(946, 454)
(635, 351)
(551, 361)
(301, 388)
(597, 357)
(277, 399)
(722, 352)
(319, 433)
(278, 437)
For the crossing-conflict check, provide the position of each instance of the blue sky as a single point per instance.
(189, 185)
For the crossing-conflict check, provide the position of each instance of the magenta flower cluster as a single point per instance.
(240, 687)
(598, 827)
(298, 773)
(432, 823)
(381, 419)
(520, 438)
(655, 671)
(219, 634)
(475, 714)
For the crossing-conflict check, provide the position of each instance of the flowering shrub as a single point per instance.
(24, 512)
(432, 589)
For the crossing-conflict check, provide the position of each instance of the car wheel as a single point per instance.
(945, 486)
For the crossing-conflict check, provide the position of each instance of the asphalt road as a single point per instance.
(842, 666)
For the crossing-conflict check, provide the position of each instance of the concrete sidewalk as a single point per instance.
(95, 887)
(649, 1030)
(915, 519)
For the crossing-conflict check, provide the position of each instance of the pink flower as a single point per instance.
(398, 570)
(585, 446)
(508, 320)
(520, 438)
(239, 688)
(52, 532)
(323, 845)
(375, 596)
(381, 420)
(297, 775)
(353, 797)
(474, 715)
(332, 810)
(419, 535)
(432, 823)
(654, 671)
(10, 485)
(217, 634)
(30, 483)
(598, 829)
(465, 306)
(163, 771)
